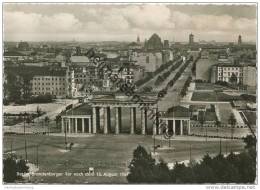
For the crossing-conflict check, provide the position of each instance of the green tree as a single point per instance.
(141, 167)
(47, 121)
(217, 124)
(250, 141)
(203, 173)
(13, 87)
(224, 171)
(233, 79)
(162, 173)
(21, 166)
(9, 169)
(232, 121)
(182, 174)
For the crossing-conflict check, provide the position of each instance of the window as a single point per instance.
(147, 59)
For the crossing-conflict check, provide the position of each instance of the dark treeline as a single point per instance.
(233, 168)
(175, 78)
(12, 166)
(151, 75)
(162, 77)
(185, 86)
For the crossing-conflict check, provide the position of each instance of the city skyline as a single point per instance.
(88, 22)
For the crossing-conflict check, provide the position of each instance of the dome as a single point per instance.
(154, 43)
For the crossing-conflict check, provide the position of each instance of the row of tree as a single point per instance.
(12, 166)
(174, 79)
(233, 168)
(185, 86)
(165, 75)
(151, 75)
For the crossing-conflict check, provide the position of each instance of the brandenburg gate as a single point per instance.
(89, 114)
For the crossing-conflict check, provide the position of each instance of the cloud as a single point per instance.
(30, 23)
(123, 23)
(148, 16)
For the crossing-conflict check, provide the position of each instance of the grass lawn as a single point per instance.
(204, 96)
(209, 86)
(221, 131)
(251, 117)
(224, 111)
(106, 153)
(31, 108)
(213, 97)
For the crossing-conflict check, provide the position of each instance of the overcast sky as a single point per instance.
(82, 22)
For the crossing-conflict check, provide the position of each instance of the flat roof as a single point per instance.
(177, 112)
(123, 99)
(83, 109)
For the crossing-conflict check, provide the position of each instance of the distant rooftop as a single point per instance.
(229, 65)
(37, 71)
(79, 59)
(83, 109)
(177, 111)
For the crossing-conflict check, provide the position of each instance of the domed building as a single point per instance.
(154, 43)
(23, 46)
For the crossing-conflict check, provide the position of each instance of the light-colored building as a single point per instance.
(124, 71)
(226, 71)
(203, 68)
(47, 84)
(56, 82)
(85, 74)
(177, 120)
(249, 76)
(149, 60)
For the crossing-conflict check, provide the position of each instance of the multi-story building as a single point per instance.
(15, 56)
(239, 41)
(249, 77)
(224, 72)
(191, 39)
(154, 43)
(149, 60)
(125, 71)
(49, 84)
(59, 83)
(85, 73)
(204, 65)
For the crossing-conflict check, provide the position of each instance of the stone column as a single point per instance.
(160, 126)
(89, 125)
(72, 125)
(82, 125)
(154, 128)
(108, 119)
(173, 126)
(143, 115)
(105, 120)
(156, 120)
(62, 125)
(118, 120)
(69, 126)
(94, 116)
(188, 127)
(181, 128)
(133, 120)
(76, 125)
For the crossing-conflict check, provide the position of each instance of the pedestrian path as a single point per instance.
(240, 121)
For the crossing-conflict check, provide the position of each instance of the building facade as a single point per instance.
(53, 85)
(58, 83)
(226, 71)
(191, 39)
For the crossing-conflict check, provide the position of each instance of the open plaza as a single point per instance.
(105, 154)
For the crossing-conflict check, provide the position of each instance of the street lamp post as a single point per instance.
(25, 143)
